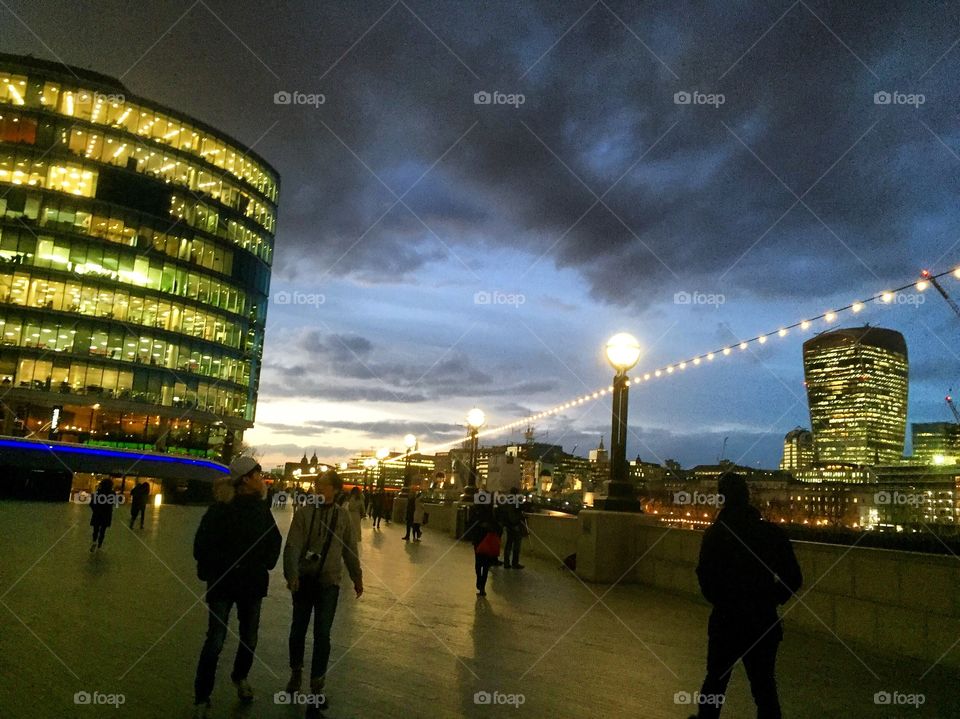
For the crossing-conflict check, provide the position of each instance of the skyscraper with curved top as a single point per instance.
(135, 252)
(856, 382)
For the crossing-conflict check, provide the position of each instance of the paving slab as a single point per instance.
(129, 621)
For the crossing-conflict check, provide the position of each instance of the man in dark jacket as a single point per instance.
(510, 516)
(236, 546)
(747, 569)
(138, 502)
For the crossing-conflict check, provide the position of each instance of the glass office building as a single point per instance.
(935, 442)
(135, 254)
(857, 390)
(797, 449)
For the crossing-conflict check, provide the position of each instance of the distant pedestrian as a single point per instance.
(410, 512)
(418, 514)
(138, 502)
(510, 515)
(321, 540)
(484, 534)
(102, 502)
(747, 568)
(236, 546)
(377, 505)
(355, 507)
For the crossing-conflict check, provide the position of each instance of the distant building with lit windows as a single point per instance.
(856, 382)
(935, 442)
(797, 449)
(135, 254)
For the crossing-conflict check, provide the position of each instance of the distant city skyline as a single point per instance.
(435, 251)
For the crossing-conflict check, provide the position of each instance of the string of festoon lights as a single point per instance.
(829, 317)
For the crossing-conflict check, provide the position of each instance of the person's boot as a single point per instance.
(318, 698)
(244, 690)
(296, 681)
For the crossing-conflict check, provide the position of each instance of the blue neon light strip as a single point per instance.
(79, 449)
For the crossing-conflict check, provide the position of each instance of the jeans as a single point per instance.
(416, 531)
(322, 603)
(727, 646)
(248, 615)
(511, 550)
(135, 510)
(99, 532)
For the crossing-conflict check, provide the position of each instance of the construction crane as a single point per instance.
(925, 274)
(953, 408)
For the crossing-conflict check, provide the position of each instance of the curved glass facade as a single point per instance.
(135, 253)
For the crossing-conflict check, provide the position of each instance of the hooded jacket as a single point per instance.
(236, 546)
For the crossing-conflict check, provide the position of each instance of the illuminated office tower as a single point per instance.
(135, 252)
(935, 442)
(857, 390)
(797, 449)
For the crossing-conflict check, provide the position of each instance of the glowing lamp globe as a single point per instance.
(410, 441)
(383, 453)
(476, 418)
(623, 351)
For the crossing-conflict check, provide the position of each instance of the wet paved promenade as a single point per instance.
(130, 621)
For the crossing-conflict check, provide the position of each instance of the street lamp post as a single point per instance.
(475, 420)
(410, 442)
(623, 353)
(368, 464)
(382, 454)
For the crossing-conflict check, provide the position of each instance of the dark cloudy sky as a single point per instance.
(584, 210)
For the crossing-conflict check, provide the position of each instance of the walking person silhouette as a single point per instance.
(747, 569)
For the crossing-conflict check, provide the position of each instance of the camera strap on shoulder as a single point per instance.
(331, 525)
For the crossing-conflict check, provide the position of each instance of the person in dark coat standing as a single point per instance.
(236, 546)
(510, 515)
(747, 569)
(411, 512)
(102, 502)
(377, 505)
(138, 502)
